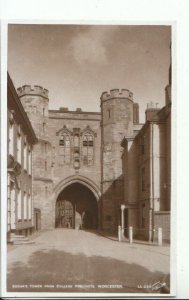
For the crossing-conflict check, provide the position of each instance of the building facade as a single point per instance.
(20, 141)
(87, 164)
(147, 174)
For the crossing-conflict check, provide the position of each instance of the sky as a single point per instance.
(76, 63)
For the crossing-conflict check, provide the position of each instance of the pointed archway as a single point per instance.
(76, 207)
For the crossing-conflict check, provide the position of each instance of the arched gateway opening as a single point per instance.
(76, 207)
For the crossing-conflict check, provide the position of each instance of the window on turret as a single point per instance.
(88, 151)
(65, 148)
(44, 127)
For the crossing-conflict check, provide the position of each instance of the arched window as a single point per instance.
(64, 147)
(88, 149)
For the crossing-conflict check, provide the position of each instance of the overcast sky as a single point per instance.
(76, 63)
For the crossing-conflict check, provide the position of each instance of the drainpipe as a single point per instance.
(151, 212)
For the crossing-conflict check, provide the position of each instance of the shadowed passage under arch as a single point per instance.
(76, 207)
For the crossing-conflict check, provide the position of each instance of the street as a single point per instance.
(68, 260)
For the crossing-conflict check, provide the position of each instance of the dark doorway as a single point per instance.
(64, 214)
(88, 220)
(76, 207)
(37, 219)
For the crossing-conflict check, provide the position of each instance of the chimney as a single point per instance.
(151, 112)
(63, 109)
(135, 113)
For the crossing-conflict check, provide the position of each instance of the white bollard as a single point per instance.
(160, 236)
(119, 234)
(130, 234)
(122, 233)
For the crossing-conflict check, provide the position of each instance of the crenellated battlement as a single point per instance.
(36, 90)
(117, 93)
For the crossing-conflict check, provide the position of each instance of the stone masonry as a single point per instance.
(64, 155)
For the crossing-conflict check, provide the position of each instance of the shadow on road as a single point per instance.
(55, 267)
(108, 235)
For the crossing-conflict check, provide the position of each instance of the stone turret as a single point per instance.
(36, 90)
(35, 101)
(117, 122)
(117, 93)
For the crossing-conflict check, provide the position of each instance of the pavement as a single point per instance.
(68, 260)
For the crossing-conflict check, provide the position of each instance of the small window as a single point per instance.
(90, 142)
(43, 127)
(46, 190)
(61, 141)
(109, 113)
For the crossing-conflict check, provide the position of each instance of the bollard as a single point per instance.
(160, 236)
(130, 234)
(122, 234)
(119, 233)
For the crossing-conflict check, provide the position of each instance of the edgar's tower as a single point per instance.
(35, 102)
(119, 112)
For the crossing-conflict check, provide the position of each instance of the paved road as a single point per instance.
(67, 260)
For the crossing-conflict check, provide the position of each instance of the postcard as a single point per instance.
(89, 168)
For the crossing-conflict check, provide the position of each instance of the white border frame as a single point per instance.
(172, 10)
(4, 171)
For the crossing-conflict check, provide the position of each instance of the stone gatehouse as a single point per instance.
(77, 165)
